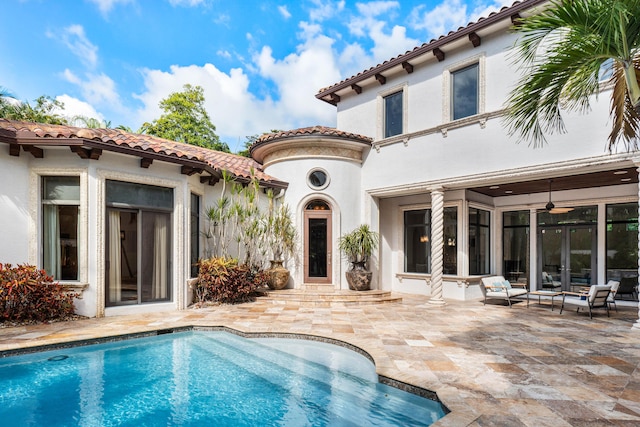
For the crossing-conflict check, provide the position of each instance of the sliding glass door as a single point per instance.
(138, 246)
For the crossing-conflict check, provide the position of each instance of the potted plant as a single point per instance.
(357, 246)
(281, 235)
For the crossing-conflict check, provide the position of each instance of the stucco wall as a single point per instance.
(14, 209)
(439, 150)
(343, 194)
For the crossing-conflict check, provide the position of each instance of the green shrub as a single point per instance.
(27, 294)
(223, 280)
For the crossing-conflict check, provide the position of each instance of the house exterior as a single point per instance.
(115, 216)
(453, 196)
(420, 153)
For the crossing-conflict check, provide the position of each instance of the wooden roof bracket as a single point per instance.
(36, 152)
(475, 39)
(438, 53)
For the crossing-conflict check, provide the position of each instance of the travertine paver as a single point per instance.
(491, 365)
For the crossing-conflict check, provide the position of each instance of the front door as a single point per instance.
(317, 242)
(567, 253)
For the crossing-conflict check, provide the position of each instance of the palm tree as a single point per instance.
(565, 52)
(6, 98)
(90, 122)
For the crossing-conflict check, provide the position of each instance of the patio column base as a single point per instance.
(440, 301)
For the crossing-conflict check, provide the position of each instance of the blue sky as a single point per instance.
(260, 62)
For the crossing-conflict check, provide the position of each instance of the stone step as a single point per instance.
(320, 298)
(324, 287)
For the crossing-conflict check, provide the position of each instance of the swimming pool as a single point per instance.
(203, 378)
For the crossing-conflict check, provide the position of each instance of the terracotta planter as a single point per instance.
(358, 278)
(278, 276)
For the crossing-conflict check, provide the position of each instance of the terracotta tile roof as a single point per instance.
(504, 13)
(39, 134)
(311, 131)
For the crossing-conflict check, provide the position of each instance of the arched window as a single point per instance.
(317, 205)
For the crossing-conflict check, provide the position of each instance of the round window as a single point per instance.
(318, 179)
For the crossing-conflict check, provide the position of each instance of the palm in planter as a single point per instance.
(357, 246)
(281, 235)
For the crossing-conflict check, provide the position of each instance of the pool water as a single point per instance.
(201, 378)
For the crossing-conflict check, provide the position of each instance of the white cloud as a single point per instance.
(186, 3)
(368, 12)
(222, 19)
(371, 24)
(325, 9)
(298, 77)
(223, 54)
(236, 111)
(484, 9)
(76, 40)
(284, 12)
(98, 89)
(447, 16)
(106, 5)
(75, 107)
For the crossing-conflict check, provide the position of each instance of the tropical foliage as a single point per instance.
(186, 120)
(566, 52)
(359, 244)
(90, 122)
(250, 140)
(45, 110)
(222, 280)
(29, 294)
(281, 233)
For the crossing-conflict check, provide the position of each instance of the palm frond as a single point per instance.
(561, 53)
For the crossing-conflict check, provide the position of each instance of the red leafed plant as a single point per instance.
(28, 294)
(223, 280)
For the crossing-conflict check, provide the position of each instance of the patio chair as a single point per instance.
(612, 296)
(598, 297)
(497, 287)
(628, 286)
(549, 283)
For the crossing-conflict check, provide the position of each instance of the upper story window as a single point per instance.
(393, 114)
(60, 210)
(464, 92)
(463, 89)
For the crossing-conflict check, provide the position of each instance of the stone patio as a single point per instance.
(490, 365)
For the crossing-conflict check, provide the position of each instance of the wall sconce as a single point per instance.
(424, 239)
(451, 242)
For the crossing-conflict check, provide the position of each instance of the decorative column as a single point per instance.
(437, 245)
(637, 324)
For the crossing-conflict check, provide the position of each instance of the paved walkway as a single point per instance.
(491, 365)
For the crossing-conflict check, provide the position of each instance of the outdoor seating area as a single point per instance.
(489, 365)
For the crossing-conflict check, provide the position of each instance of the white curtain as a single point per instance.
(115, 257)
(160, 250)
(51, 241)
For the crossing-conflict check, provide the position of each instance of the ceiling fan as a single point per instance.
(551, 208)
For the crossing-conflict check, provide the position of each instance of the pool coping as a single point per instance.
(382, 379)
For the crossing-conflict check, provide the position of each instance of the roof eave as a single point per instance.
(330, 96)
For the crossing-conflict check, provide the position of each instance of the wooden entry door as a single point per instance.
(317, 242)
